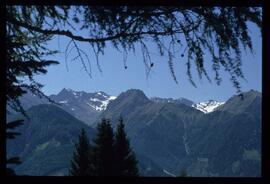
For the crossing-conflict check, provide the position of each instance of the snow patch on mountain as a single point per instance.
(105, 103)
(168, 173)
(97, 101)
(112, 97)
(208, 106)
(94, 99)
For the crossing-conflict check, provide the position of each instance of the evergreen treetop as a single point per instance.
(81, 163)
(103, 149)
(125, 160)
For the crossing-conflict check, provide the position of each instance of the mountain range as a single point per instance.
(168, 135)
(88, 106)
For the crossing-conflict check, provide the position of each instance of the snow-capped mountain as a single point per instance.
(102, 104)
(205, 107)
(208, 106)
(84, 106)
(97, 101)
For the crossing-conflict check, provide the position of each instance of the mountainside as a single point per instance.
(151, 124)
(167, 135)
(84, 106)
(205, 107)
(228, 141)
(27, 100)
(47, 140)
(177, 136)
(250, 102)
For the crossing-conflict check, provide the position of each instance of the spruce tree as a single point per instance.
(81, 163)
(125, 160)
(12, 135)
(103, 149)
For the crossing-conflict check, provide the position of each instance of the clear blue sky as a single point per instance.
(115, 79)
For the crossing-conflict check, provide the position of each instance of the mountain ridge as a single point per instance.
(94, 103)
(167, 136)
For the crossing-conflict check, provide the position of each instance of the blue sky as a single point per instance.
(115, 79)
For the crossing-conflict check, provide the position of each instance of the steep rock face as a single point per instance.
(47, 140)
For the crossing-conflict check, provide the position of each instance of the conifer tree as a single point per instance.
(125, 160)
(12, 135)
(183, 173)
(103, 149)
(81, 164)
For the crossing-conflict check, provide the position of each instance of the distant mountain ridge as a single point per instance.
(84, 106)
(167, 135)
(98, 100)
(88, 106)
(171, 100)
(205, 107)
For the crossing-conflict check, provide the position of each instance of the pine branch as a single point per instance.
(14, 124)
(14, 160)
(83, 39)
(12, 135)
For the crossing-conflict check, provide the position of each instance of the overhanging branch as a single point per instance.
(90, 40)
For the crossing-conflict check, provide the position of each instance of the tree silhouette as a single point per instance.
(125, 160)
(24, 58)
(81, 164)
(103, 149)
(12, 135)
(176, 31)
(107, 157)
(183, 173)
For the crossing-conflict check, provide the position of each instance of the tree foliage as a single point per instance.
(12, 135)
(110, 155)
(26, 52)
(176, 31)
(81, 163)
(125, 160)
(103, 150)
